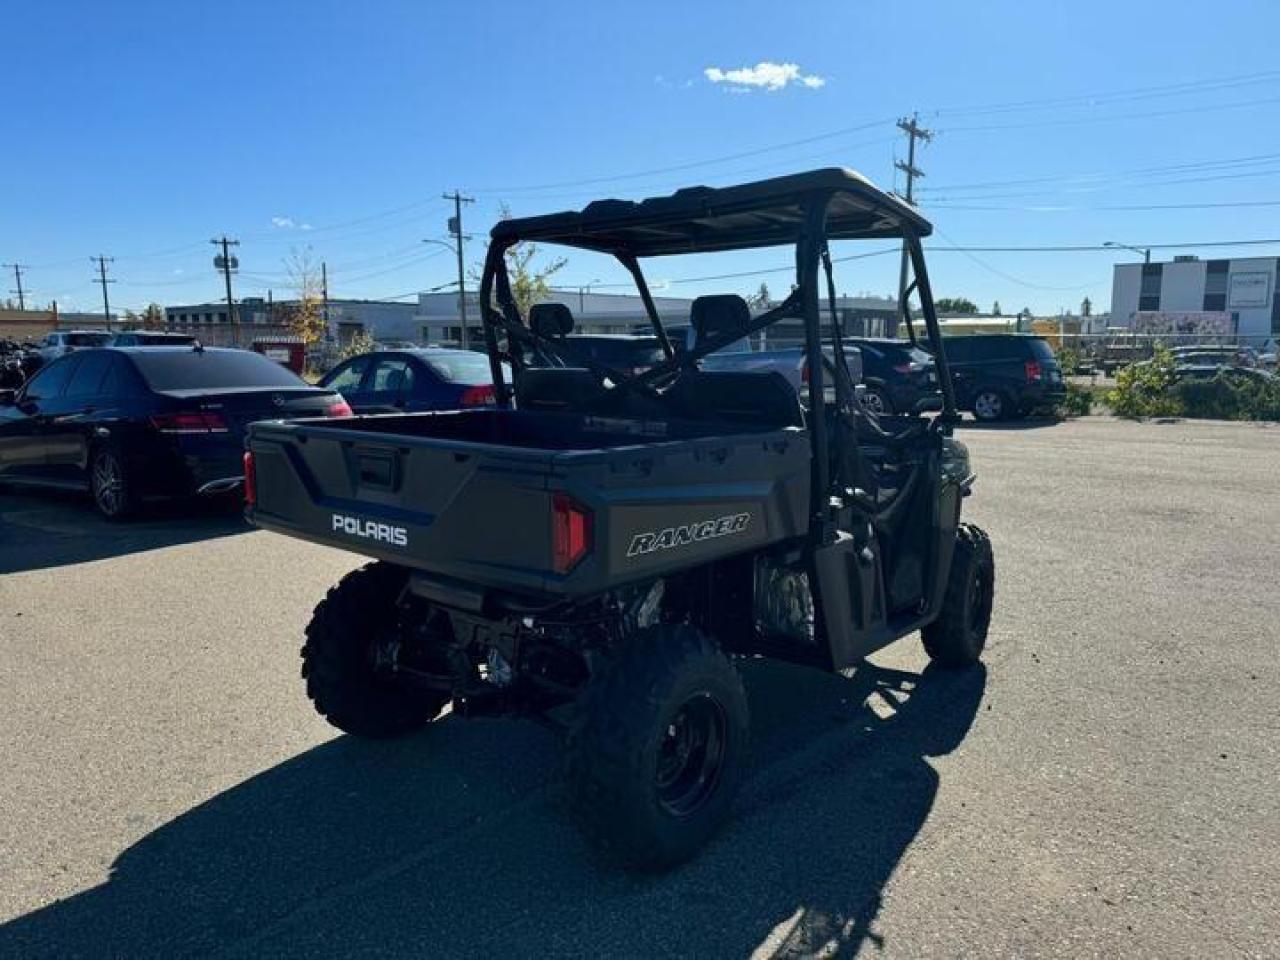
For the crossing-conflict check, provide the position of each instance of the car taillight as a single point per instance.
(570, 532)
(482, 396)
(339, 408)
(1033, 370)
(198, 422)
(250, 480)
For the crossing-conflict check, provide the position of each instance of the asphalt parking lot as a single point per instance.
(1105, 786)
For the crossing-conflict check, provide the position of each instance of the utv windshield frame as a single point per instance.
(805, 210)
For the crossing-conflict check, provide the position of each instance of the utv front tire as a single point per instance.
(344, 658)
(657, 753)
(956, 639)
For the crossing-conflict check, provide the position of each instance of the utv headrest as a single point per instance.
(550, 319)
(718, 314)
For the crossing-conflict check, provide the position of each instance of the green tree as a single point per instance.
(955, 305)
(995, 309)
(360, 342)
(528, 277)
(305, 318)
(153, 316)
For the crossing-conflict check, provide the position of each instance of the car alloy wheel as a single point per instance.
(988, 405)
(108, 483)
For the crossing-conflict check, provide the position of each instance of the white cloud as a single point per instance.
(284, 223)
(765, 75)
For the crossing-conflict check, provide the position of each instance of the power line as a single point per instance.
(17, 269)
(102, 279)
(914, 132)
(226, 263)
(459, 238)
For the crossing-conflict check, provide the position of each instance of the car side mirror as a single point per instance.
(928, 404)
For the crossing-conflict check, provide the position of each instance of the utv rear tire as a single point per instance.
(657, 752)
(957, 638)
(340, 658)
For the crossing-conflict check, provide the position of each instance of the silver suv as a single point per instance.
(68, 341)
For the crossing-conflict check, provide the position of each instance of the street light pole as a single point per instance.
(1145, 251)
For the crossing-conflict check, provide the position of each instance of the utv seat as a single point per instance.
(717, 314)
(764, 399)
(551, 320)
(558, 388)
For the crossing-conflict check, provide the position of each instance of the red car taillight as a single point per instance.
(339, 408)
(482, 396)
(1033, 370)
(250, 480)
(199, 422)
(570, 532)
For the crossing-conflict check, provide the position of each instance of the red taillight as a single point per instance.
(570, 532)
(250, 479)
(207, 421)
(482, 396)
(1033, 370)
(911, 367)
(339, 408)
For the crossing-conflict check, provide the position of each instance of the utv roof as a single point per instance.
(699, 219)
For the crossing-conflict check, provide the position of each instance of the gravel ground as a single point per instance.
(1105, 786)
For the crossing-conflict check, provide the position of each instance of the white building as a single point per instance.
(437, 318)
(1236, 297)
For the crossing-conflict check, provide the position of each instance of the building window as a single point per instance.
(1149, 293)
(1215, 284)
(208, 317)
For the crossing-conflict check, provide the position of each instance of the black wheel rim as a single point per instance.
(691, 755)
(108, 484)
(979, 600)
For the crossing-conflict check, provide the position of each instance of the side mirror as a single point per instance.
(8, 398)
(928, 404)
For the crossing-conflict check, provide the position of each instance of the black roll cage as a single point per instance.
(809, 234)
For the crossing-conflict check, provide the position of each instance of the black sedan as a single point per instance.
(134, 423)
(408, 381)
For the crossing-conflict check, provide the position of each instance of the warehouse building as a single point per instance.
(1198, 297)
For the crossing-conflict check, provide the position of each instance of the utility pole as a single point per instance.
(455, 228)
(914, 132)
(226, 263)
(324, 295)
(17, 269)
(102, 279)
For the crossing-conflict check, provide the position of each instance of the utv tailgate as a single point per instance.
(485, 513)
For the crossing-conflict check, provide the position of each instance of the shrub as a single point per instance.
(1228, 397)
(1078, 402)
(1145, 389)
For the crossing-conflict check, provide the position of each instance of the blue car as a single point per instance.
(406, 381)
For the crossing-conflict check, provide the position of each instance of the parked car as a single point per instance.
(627, 352)
(152, 338)
(133, 423)
(65, 341)
(897, 375)
(1208, 371)
(1000, 376)
(400, 381)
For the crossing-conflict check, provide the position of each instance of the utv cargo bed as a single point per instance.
(545, 503)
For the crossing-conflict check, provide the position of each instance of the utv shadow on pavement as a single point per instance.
(52, 529)
(427, 847)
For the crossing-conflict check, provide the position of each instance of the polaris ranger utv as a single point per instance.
(599, 547)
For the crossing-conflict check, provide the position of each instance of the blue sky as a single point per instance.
(141, 130)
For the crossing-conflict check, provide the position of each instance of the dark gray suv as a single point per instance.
(1002, 376)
